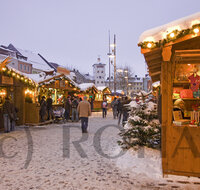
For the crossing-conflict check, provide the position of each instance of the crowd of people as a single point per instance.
(119, 108)
(74, 109)
(70, 107)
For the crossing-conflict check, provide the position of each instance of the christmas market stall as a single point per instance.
(172, 53)
(90, 90)
(58, 86)
(104, 91)
(18, 87)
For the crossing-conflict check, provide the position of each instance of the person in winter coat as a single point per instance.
(43, 108)
(125, 110)
(104, 107)
(74, 109)
(67, 106)
(84, 110)
(7, 115)
(114, 104)
(49, 108)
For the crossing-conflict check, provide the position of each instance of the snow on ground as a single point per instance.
(54, 158)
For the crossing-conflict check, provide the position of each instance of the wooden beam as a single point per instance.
(155, 73)
(167, 53)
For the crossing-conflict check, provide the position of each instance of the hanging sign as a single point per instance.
(7, 80)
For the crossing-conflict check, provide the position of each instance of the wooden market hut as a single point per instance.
(15, 85)
(91, 91)
(58, 86)
(172, 54)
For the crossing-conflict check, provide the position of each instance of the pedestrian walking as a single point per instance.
(91, 102)
(114, 104)
(119, 110)
(104, 108)
(7, 115)
(125, 110)
(49, 108)
(43, 108)
(67, 106)
(84, 110)
(74, 109)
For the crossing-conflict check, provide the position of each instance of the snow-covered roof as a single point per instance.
(13, 58)
(88, 76)
(160, 33)
(36, 61)
(6, 49)
(40, 77)
(23, 74)
(85, 86)
(101, 88)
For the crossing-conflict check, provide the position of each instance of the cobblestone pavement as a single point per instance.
(51, 158)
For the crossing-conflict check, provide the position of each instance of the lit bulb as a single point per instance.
(172, 35)
(196, 30)
(149, 45)
(4, 69)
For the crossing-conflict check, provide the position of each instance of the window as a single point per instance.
(101, 82)
(101, 71)
(13, 63)
(28, 68)
(97, 71)
(20, 66)
(97, 82)
(25, 67)
(100, 77)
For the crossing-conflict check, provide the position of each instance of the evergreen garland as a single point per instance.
(177, 35)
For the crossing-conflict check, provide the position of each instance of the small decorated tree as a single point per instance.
(143, 127)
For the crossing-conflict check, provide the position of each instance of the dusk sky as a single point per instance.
(75, 32)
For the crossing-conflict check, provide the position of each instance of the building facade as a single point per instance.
(132, 85)
(99, 73)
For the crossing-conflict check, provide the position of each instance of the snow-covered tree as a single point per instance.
(143, 127)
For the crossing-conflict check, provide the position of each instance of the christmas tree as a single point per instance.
(143, 127)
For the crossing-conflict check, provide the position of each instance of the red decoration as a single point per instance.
(195, 81)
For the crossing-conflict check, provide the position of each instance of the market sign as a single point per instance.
(62, 70)
(7, 80)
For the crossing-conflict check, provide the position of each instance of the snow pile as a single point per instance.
(161, 32)
(133, 104)
(145, 162)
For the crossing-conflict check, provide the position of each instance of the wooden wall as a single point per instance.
(180, 144)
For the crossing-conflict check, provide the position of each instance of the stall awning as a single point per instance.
(154, 60)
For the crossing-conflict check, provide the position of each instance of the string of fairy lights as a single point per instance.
(174, 35)
(11, 73)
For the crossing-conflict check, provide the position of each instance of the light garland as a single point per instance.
(12, 73)
(174, 35)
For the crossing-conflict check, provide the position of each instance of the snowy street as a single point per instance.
(57, 156)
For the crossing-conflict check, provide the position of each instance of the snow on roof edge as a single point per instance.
(157, 33)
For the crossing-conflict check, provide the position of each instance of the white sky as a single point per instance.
(75, 32)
